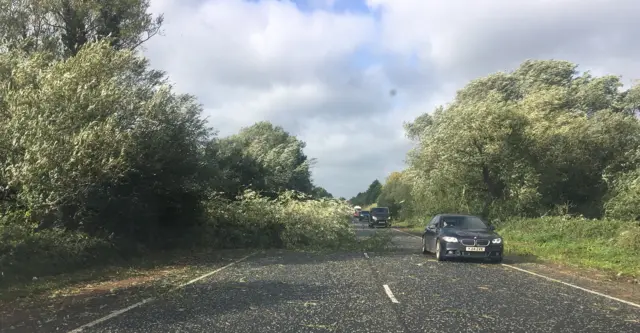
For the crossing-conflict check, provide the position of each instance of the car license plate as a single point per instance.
(475, 249)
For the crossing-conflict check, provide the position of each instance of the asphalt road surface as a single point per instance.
(393, 291)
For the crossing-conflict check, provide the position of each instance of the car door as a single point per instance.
(430, 233)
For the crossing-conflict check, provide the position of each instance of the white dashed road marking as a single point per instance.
(552, 279)
(121, 311)
(390, 294)
(366, 255)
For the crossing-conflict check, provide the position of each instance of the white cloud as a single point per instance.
(307, 71)
(469, 38)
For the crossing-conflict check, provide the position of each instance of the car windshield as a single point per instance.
(380, 210)
(462, 222)
(364, 212)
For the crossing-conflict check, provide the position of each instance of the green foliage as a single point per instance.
(289, 221)
(284, 166)
(369, 196)
(91, 139)
(235, 170)
(320, 192)
(396, 195)
(607, 244)
(625, 198)
(25, 253)
(63, 27)
(524, 143)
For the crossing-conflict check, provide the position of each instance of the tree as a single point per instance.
(396, 194)
(631, 100)
(369, 196)
(417, 127)
(319, 192)
(523, 143)
(95, 147)
(280, 155)
(63, 27)
(235, 171)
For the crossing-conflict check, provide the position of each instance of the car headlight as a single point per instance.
(496, 240)
(450, 239)
(375, 218)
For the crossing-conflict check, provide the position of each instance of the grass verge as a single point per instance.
(608, 245)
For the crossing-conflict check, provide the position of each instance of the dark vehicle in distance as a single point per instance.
(461, 236)
(379, 217)
(365, 216)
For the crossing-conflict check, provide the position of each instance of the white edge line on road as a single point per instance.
(147, 300)
(113, 314)
(390, 294)
(573, 285)
(366, 255)
(552, 279)
(214, 271)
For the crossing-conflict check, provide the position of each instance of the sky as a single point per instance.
(324, 69)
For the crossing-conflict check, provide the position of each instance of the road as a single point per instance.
(284, 291)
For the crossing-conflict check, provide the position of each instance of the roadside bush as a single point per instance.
(25, 254)
(625, 198)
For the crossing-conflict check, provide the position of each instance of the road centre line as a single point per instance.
(552, 279)
(147, 300)
(390, 294)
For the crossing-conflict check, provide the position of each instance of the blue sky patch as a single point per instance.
(339, 6)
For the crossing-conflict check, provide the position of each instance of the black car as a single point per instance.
(364, 216)
(380, 217)
(461, 236)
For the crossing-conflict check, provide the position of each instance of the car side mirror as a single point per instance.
(492, 227)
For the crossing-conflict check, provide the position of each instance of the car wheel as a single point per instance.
(424, 246)
(439, 254)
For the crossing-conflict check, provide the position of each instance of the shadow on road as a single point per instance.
(212, 302)
(67, 301)
(68, 312)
